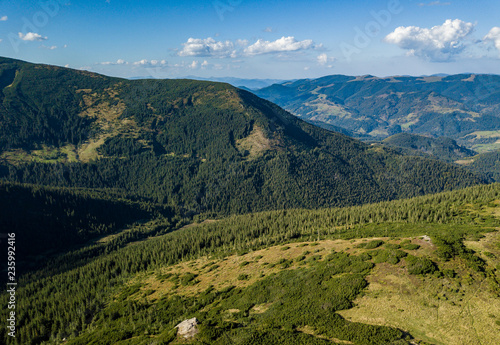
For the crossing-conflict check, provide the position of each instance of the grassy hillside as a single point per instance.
(455, 106)
(200, 145)
(395, 272)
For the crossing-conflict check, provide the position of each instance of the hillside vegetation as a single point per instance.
(291, 276)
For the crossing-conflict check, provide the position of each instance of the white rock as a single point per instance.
(187, 328)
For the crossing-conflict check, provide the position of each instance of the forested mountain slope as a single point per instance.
(414, 271)
(442, 148)
(205, 146)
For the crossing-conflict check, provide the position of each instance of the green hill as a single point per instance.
(416, 271)
(442, 148)
(487, 164)
(204, 146)
(464, 107)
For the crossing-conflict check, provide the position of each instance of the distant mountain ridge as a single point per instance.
(245, 83)
(251, 84)
(459, 106)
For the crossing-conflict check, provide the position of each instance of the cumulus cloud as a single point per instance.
(31, 36)
(241, 43)
(434, 3)
(3, 19)
(207, 47)
(439, 43)
(118, 62)
(152, 63)
(325, 60)
(494, 36)
(283, 44)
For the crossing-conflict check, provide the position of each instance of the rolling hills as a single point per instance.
(464, 107)
(203, 146)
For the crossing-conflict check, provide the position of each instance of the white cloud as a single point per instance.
(268, 29)
(284, 44)
(152, 63)
(31, 36)
(118, 62)
(50, 48)
(324, 60)
(193, 65)
(3, 19)
(439, 43)
(494, 36)
(434, 3)
(67, 65)
(242, 43)
(207, 47)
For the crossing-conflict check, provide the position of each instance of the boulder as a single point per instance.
(187, 328)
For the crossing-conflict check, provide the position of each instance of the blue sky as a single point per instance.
(254, 39)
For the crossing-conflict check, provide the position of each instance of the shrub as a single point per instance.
(489, 255)
(167, 336)
(189, 279)
(374, 244)
(392, 246)
(419, 265)
(411, 246)
(449, 273)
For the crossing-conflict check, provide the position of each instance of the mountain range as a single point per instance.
(464, 107)
(206, 146)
